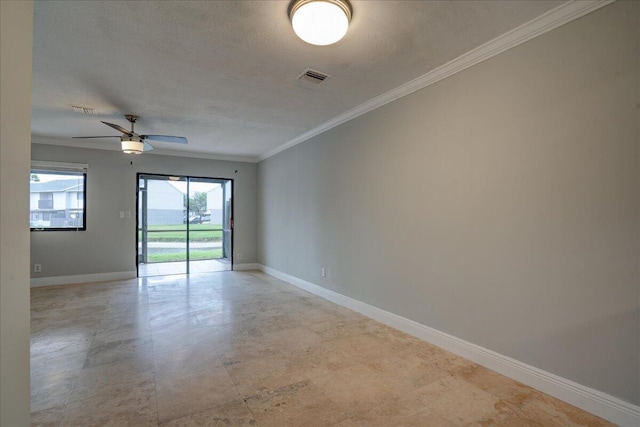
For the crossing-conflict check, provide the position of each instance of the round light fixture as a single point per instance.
(320, 22)
(131, 146)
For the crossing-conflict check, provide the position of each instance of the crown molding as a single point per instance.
(554, 18)
(209, 156)
(64, 142)
(67, 142)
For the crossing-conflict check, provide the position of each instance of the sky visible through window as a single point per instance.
(194, 186)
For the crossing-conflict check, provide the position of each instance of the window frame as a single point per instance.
(76, 169)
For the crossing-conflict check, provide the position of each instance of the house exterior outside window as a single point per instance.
(57, 196)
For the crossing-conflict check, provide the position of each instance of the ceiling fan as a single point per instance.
(133, 143)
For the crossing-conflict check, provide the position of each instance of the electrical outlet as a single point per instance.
(238, 256)
(127, 214)
(323, 272)
(37, 268)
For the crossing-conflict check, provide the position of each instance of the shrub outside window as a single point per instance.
(57, 199)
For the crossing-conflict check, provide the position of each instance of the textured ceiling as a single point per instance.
(223, 73)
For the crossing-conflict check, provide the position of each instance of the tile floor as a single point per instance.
(243, 348)
(196, 267)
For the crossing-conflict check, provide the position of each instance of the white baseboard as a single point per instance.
(82, 278)
(104, 277)
(245, 267)
(596, 402)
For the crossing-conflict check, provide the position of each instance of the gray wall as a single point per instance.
(108, 244)
(500, 205)
(16, 26)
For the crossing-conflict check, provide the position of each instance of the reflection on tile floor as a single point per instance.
(245, 349)
(196, 267)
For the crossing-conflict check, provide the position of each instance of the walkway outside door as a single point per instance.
(184, 224)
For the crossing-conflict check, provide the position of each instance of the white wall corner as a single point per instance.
(596, 402)
(82, 278)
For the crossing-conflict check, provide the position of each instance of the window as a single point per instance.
(58, 196)
(45, 201)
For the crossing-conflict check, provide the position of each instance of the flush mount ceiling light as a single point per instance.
(131, 146)
(320, 22)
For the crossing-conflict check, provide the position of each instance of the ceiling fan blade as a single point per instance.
(86, 137)
(118, 128)
(165, 138)
(147, 147)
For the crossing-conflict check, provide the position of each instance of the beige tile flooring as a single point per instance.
(243, 348)
(196, 267)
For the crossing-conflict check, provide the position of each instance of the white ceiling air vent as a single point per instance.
(313, 76)
(84, 110)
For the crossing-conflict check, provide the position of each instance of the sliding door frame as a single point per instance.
(187, 177)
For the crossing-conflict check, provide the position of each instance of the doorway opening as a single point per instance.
(184, 225)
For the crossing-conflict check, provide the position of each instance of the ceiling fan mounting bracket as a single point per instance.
(131, 117)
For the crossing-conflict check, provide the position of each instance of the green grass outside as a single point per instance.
(183, 227)
(198, 233)
(194, 255)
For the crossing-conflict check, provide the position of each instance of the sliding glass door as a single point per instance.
(207, 249)
(162, 234)
(185, 225)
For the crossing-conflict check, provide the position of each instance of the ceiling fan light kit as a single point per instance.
(320, 22)
(130, 146)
